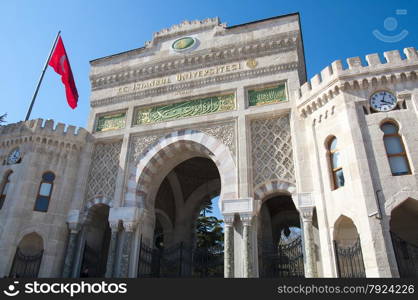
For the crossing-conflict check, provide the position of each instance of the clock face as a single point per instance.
(383, 101)
(13, 157)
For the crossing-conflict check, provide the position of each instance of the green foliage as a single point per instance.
(209, 229)
(208, 257)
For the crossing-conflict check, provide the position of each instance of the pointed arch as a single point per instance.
(149, 163)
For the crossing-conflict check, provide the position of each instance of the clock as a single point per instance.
(14, 157)
(383, 101)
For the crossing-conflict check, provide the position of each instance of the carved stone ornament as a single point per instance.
(272, 150)
(224, 132)
(103, 170)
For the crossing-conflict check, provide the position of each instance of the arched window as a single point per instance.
(335, 162)
(395, 149)
(44, 192)
(5, 188)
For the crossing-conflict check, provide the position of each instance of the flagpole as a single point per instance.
(42, 76)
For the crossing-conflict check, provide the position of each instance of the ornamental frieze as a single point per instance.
(224, 132)
(203, 59)
(137, 86)
(198, 83)
(190, 108)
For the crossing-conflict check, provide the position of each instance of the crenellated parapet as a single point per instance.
(333, 79)
(43, 132)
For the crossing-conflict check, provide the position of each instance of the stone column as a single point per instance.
(71, 247)
(309, 245)
(248, 266)
(229, 247)
(112, 250)
(126, 248)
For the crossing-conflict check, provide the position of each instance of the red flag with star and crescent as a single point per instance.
(59, 61)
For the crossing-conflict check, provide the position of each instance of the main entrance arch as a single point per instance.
(177, 181)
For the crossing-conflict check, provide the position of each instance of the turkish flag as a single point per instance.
(59, 61)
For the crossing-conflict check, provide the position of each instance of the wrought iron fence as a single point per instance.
(350, 260)
(284, 261)
(179, 261)
(406, 256)
(26, 266)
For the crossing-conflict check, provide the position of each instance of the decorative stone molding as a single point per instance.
(247, 74)
(333, 79)
(223, 132)
(103, 170)
(306, 212)
(187, 27)
(271, 187)
(130, 226)
(228, 219)
(241, 206)
(246, 218)
(125, 215)
(200, 59)
(305, 200)
(272, 154)
(98, 200)
(148, 164)
(74, 220)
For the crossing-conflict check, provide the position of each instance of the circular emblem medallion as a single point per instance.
(251, 63)
(183, 43)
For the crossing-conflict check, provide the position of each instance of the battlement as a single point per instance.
(394, 62)
(47, 128)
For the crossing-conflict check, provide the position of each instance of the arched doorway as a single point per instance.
(403, 228)
(347, 246)
(280, 239)
(188, 233)
(28, 257)
(96, 245)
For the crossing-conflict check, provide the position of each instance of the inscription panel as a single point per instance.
(180, 110)
(267, 95)
(111, 122)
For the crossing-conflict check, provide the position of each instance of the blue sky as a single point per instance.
(92, 29)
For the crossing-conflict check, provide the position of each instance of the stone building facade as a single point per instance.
(315, 178)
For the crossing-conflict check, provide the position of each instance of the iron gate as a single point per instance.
(285, 261)
(26, 266)
(180, 261)
(406, 256)
(350, 261)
